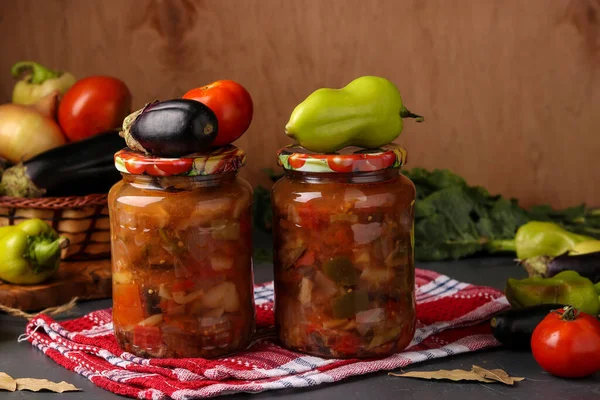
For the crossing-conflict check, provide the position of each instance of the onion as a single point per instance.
(26, 131)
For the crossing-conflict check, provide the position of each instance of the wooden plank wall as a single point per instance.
(510, 88)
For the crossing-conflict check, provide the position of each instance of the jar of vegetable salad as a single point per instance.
(182, 254)
(344, 266)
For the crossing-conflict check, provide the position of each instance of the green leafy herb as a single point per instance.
(454, 220)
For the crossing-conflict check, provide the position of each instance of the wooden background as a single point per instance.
(510, 88)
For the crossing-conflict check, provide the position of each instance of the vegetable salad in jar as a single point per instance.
(343, 237)
(182, 254)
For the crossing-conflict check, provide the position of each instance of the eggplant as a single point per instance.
(513, 328)
(586, 265)
(75, 169)
(172, 128)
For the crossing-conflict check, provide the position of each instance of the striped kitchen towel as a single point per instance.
(451, 319)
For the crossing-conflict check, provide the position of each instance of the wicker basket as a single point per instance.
(82, 219)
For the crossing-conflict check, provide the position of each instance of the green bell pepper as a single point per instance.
(367, 112)
(29, 252)
(38, 83)
(567, 287)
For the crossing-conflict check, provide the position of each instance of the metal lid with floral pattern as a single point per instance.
(224, 159)
(349, 159)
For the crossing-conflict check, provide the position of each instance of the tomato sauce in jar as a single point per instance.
(182, 255)
(344, 259)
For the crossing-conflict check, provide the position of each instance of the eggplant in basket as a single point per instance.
(75, 169)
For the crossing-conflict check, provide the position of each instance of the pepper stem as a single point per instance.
(502, 246)
(405, 113)
(46, 254)
(39, 73)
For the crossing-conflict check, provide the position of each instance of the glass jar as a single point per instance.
(344, 261)
(181, 241)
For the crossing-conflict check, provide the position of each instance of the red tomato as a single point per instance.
(297, 161)
(93, 105)
(340, 164)
(567, 344)
(232, 105)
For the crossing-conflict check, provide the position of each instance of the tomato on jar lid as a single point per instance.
(347, 160)
(222, 160)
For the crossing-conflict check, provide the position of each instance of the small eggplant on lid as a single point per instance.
(172, 128)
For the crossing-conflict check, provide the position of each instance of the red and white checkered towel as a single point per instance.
(451, 319)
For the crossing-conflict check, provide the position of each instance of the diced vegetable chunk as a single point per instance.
(225, 230)
(341, 271)
(349, 304)
(306, 287)
(127, 304)
(221, 263)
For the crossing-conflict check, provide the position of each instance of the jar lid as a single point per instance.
(348, 159)
(224, 159)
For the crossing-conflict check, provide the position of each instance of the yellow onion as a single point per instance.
(26, 131)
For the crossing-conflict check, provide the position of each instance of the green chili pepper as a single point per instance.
(29, 252)
(567, 287)
(38, 82)
(537, 238)
(367, 112)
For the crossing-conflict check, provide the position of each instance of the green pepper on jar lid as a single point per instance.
(367, 113)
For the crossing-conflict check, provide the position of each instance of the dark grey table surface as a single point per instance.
(22, 360)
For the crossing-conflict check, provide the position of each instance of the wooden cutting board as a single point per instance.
(83, 279)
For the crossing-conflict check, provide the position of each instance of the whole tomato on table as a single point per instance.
(231, 103)
(567, 343)
(94, 104)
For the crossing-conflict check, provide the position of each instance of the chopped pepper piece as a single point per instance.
(341, 271)
(347, 305)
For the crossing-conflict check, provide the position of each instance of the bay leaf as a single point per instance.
(496, 375)
(453, 375)
(35, 385)
(7, 382)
